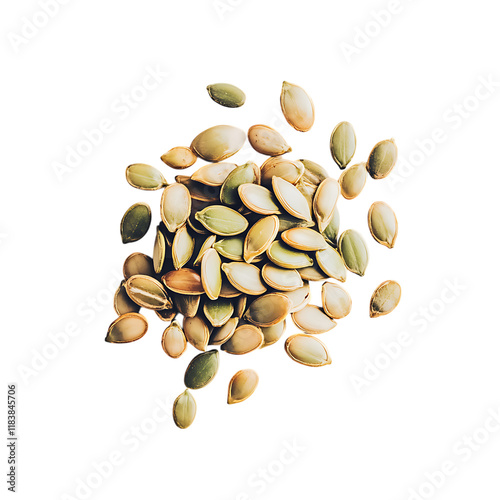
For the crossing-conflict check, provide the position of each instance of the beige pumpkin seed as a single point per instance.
(331, 263)
(211, 277)
(218, 312)
(268, 309)
(343, 144)
(241, 386)
(291, 199)
(307, 350)
(138, 263)
(184, 410)
(332, 230)
(281, 279)
(221, 220)
(273, 333)
(284, 256)
(382, 159)
(267, 141)
(244, 277)
(258, 199)
(208, 243)
(187, 305)
(123, 304)
(145, 177)
(175, 206)
(312, 273)
(222, 334)
(297, 107)
(289, 170)
(300, 297)
(248, 173)
(135, 222)
(311, 319)
(385, 298)
(147, 292)
(228, 291)
(184, 281)
(303, 238)
(218, 143)
(213, 174)
(313, 173)
(246, 338)
(226, 95)
(259, 237)
(127, 328)
(159, 251)
(324, 202)
(179, 158)
(182, 247)
(202, 369)
(196, 331)
(354, 252)
(353, 180)
(308, 190)
(337, 303)
(231, 248)
(173, 340)
(383, 224)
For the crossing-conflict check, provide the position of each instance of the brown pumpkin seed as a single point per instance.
(184, 281)
(222, 334)
(179, 158)
(196, 331)
(173, 340)
(246, 338)
(300, 297)
(147, 292)
(168, 314)
(123, 304)
(138, 263)
(187, 305)
(228, 291)
(312, 273)
(241, 386)
(273, 333)
(277, 166)
(127, 328)
(267, 141)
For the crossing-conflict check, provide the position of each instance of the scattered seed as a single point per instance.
(259, 237)
(383, 224)
(138, 263)
(226, 95)
(242, 386)
(291, 199)
(246, 338)
(343, 144)
(231, 248)
(258, 199)
(353, 180)
(353, 251)
(202, 369)
(147, 292)
(284, 256)
(208, 243)
(243, 174)
(281, 279)
(182, 247)
(273, 333)
(173, 340)
(218, 143)
(297, 107)
(179, 158)
(300, 297)
(127, 328)
(175, 206)
(331, 263)
(268, 309)
(213, 174)
(184, 410)
(332, 230)
(267, 141)
(325, 201)
(336, 301)
(122, 302)
(222, 334)
(385, 298)
(146, 177)
(211, 277)
(244, 277)
(222, 220)
(312, 273)
(187, 305)
(135, 222)
(303, 238)
(277, 166)
(219, 311)
(184, 281)
(382, 159)
(197, 332)
(307, 350)
(311, 319)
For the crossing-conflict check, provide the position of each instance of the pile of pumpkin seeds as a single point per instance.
(237, 246)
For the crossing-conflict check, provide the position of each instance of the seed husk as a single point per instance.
(300, 297)
(173, 340)
(284, 256)
(287, 169)
(312, 273)
(280, 278)
(258, 199)
(184, 281)
(325, 201)
(226, 95)
(382, 159)
(211, 277)
(246, 338)
(231, 248)
(337, 303)
(267, 141)
(184, 410)
(313, 173)
(385, 298)
(273, 333)
(218, 143)
(123, 304)
(240, 305)
(303, 238)
(138, 263)
(145, 177)
(307, 189)
(218, 312)
(311, 319)
(307, 350)
(244, 277)
(222, 220)
(197, 332)
(202, 369)
(127, 328)
(353, 180)
(182, 247)
(187, 305)
(289, 222)
(331, 263)
(222, 334)
(147, 292)
(332, 230)
(168, 314)
(159, 251)
(268, 309)
(383, 224)
(248, 173)
(241, 386)
(354, 252)
(198, 191)
(179, 158)
(213, 174)
(291, 199)
(135, 222)
(297, 107)
(175, 206)
(343, 144)
(259, 237)
(208, 243)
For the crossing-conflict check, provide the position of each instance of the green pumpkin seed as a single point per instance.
(300, 297)
(297, 107)
(127, 328)
(273, 333)
(353, 180)
(281, 279)
(259, 237)
(123, 304)
(248, 173)
(173, 340)
(331, 263)
(146, 177)
(184, 410)
(244, 277)
(312, 273)
(222, 334)
(179, 158)
(241, 386)
(226, 95)
(184, 281)
(313, 173)
(135, 222)
(182, 247)
(289, 222)
(218, 143)
(289, 170)
(213, 174)
(332, 230)
(353, 251)
(267, 141)
(383, 224)
(147, 292)
(258, 199)
(231, 248)
(208, 243)
(325, 201)
(219, 311)
(343, 144)
(385, 298)
(221, 220)
(246, 338)
(211, 277)
(303, 238)
(307, 350)
(311, 319)
(175, 206)
(291, 199)
(159, 251)
(202, 369)
(337, 303)
(268, 309)
(382, 159)
(138, 263)
(197, 332)
(284, 256)
(187, 305)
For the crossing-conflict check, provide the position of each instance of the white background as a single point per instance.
(61, 250)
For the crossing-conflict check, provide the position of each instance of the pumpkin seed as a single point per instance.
(198, 191)
(187, 305)
(311, 319)
(240, 305)
(146, 177)
(383, 224)
(127, 328)
(211, 277)
(184, 281)
(244, 277)
(268, 309)
(168, 314)
(138, 263)
(385, 298)
(259, 237)
(202, 369)
(308, 190)
(179, 158)
(307, 350)
(219, 311)
(218, 143)
(273, 333)
(267, 141)
(175, 206)
(135, 222)
(332, 230)
(208, 243)
(297, 107)
(243, 174)
(324, 202)
(336, 301)
(353, 251)
(331, 263)
(281, 279)
(382, 159)
(313, 173)
(173, 340)
(147, 292)
(289, 170)
(353, 180)
(300, 297)
(258, 199)
(159, 251)
(246, 338)
(184, 410)
(222, 220)
(303, 238)
(123, 304)
(226, 95)
(197, 333)
(182, 247)
(213, 174)
(228, 291)
(343, 144)
(222, 334)
(284, 256)
(231, 248)
(312, 273)
(291, 199)
(289, 222)
(241, 386)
